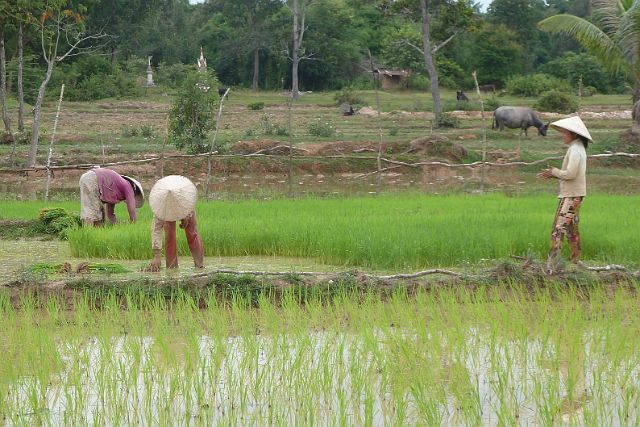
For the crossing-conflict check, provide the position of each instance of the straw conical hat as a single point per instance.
(173, 198)
(139, 194)
(573, 124)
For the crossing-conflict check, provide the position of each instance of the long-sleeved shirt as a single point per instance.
(572, 176)
(113, 189)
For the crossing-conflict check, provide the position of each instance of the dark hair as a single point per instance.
(585, 141)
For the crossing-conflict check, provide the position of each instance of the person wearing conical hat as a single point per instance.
(173, 198)
(573, 188)
(101, 189)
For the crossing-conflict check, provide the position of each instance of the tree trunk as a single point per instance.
(428, 60)
(635, 111)
(295, 58)
(35, 128)
(20, 82)
(256, 69)
(3, 87)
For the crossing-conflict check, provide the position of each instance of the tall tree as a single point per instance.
(613, 38)
(5, 18)
(428, 58)
(298, 53)
(62, 34)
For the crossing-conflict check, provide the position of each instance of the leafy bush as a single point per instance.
(419, 82)
(256, 106)
(271, 128)
(347, 95)
(575, 66)
(173, 75)
(90, 78)
(446, 120)
(192, 114)
(535, 84)
(589, 91)
(492, 103)
(318, 128)
(557, 102)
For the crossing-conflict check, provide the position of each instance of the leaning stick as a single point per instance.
(213, 141)
(53, 137)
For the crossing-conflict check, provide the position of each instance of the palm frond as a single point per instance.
(627, 36)
(592, 38)
(607, 13)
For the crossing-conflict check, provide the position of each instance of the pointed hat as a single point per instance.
(138, 192)
(573, 124)
(173, 198)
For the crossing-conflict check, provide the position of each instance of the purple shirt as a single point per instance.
(113, 189)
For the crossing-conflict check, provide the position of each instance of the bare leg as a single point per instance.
(170, 244)
(193, 239)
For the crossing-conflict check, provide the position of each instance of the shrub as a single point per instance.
(192, 114)
(589, 91)
(419, 82)
(347, 95)
(557, 102)
(271, 128)
(318, 128)
(535, 84)
(446, 120)
(492, 103)
(256, 106)
(147, 131)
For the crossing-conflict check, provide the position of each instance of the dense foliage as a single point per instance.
(245, 42)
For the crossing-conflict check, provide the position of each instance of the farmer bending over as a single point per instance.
(101, 189)
(173, 198)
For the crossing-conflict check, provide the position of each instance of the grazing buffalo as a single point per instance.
(518, 118)
(460, 96)
(222, 91)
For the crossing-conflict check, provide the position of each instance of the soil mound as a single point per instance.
(266, 146)
(438, 146)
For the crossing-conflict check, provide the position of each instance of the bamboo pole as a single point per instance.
(290, 177)
(484, 135)
(53, 138)
(213, 141)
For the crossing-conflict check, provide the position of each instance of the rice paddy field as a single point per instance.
(294, 320)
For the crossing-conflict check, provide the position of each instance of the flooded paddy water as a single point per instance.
(426, 361)
(18, 256)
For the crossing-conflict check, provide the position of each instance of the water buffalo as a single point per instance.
(222, 91)
(461, 96)
(518, 118)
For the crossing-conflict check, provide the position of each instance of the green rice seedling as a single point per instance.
(407, 231)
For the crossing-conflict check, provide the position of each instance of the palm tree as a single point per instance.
(613, 38)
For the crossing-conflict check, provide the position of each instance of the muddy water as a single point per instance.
(16, 256)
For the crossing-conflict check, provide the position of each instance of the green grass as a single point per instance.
(403, 232)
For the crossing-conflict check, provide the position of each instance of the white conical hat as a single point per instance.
(173, 198)
(139, 194)
(573, 124)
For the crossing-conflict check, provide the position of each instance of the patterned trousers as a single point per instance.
(566, 224)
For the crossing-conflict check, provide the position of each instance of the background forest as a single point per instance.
(249, 44)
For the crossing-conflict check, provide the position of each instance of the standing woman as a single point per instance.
(573, 188)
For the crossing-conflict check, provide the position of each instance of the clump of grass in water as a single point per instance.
(96, 267)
